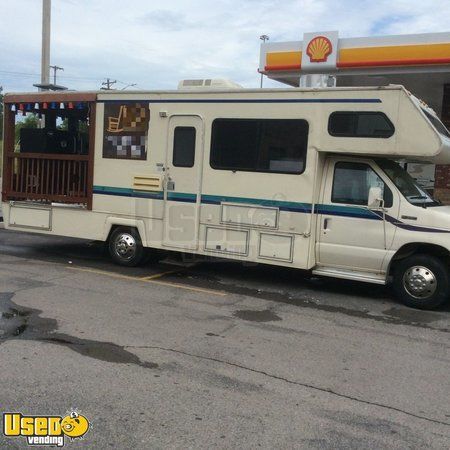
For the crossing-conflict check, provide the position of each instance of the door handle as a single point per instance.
(326, 222)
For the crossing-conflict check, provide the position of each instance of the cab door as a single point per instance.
(182, 186)
(352, 235)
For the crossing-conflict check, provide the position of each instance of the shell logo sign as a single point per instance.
(319, 49)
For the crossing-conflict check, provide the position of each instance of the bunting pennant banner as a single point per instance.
(29, 107)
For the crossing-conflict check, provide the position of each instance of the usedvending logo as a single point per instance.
(45, 430)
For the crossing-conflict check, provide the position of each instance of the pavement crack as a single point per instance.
(293, 382)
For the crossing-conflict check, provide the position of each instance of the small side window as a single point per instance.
(360, 124)
(352, 182)
(184, 147)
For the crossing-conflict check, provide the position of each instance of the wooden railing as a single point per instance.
(47, 177)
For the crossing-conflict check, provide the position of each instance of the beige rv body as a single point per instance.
(282, 219)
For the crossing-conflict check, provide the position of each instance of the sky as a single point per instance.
(156, 44)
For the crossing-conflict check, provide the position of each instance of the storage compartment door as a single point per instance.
(24, 216)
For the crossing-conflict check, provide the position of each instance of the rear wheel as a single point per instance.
(125, 247)
(422, 281)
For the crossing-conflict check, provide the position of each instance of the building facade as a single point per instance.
(420, 62)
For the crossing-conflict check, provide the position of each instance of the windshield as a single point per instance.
(406, 184)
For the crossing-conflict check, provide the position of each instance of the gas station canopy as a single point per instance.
(420, 62)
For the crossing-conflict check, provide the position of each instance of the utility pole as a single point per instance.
(55, 68)
(45, 59)
(45, 85)
(264, 38)
(106, 85)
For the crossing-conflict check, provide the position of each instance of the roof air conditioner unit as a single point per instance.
(209, 83)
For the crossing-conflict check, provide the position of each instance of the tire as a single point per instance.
(125, 247)
(422, 281)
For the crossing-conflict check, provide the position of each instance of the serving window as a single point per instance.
(49, 147)
(52, 128)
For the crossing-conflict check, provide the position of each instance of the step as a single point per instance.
(347, 274)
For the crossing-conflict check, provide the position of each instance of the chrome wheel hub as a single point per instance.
(420, 282)
(125, 246)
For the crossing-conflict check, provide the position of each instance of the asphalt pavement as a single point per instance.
(187, 354)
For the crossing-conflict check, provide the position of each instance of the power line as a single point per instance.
(28, 74)
(65, 77)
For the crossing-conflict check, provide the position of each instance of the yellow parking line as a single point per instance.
(188, 288)
(159, 275)
(147, 280)
(103, 272)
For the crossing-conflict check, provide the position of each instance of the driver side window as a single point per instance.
(352, 182)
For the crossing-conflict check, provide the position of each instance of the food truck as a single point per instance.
(301, 178)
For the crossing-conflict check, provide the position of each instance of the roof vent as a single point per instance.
(210, 83)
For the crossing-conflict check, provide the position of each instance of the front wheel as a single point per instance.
(422, 281)
(125, 247)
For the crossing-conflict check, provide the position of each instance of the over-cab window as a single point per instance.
(360, 124)
(259, 145)
(440, 127)
(184, 147)
(352, 182)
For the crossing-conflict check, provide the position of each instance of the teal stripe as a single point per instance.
(336, 210)
(297, 206)
(349, 211)
(110, 189)
(353, 211)
(127, 192)
(182, 196)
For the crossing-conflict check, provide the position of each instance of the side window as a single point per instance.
(259, 145)
(360, 124)
(352, 182)
(125, 130)
(184, 147)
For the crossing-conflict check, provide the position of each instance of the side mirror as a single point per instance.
(375, 197)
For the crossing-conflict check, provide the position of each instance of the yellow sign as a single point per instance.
(45, 430)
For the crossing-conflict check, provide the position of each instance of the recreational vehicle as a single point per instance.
(302, 178)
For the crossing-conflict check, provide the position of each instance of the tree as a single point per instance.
(29, 121)
(82, 126)
(1, 113)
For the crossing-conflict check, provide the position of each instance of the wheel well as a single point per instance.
(111, 230)
(115, 226)
(419, 248)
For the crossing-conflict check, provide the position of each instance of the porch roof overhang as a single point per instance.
(60, 97)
